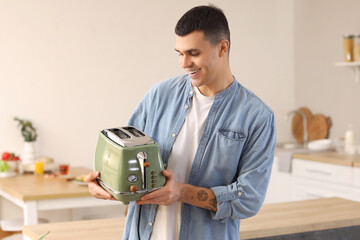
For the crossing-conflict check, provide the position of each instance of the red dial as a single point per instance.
(133, 188)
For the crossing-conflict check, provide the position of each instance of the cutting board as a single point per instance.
(318, 126)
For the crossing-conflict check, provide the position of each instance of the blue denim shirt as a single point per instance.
(234, 156)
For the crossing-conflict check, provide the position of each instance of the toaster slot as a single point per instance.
(119, 133)
(116, 135)
(134, 131)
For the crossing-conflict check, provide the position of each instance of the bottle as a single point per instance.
(356, 53)
(350, 140)
(349, 48)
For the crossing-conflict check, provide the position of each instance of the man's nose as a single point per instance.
(185, 61)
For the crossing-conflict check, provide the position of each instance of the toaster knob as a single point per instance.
(133, 188)
(146, 164)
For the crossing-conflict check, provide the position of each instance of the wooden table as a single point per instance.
(104, 229)
(329, 157)
(272, 220)
(34, 193)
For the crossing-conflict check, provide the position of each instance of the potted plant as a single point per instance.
(29, 133)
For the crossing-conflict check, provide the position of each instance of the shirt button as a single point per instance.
(150, 224)
(186, 106)
(239, 194)
(173, 135)
(191, 92)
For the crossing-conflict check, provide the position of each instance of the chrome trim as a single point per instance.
(101, 182)
(142, 157)
(128, 142)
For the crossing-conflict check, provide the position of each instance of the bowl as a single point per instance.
(320, 145)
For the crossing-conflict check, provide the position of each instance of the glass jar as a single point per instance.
(357, 48)
(349, 48)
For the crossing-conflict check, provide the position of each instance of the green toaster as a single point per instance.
(129, 163)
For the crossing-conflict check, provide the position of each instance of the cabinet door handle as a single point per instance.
(317, 195)
(315, 170)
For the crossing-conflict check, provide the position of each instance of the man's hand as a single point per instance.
(174, 192)
(167, 195)
(94, 188)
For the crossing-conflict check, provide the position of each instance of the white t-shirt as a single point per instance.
(168, 218)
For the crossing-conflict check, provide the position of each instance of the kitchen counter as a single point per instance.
(330, 157)
(357, 163)
(272, 220)
(301, 216)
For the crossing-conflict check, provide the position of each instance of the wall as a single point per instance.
(319, 85)
(76, 67)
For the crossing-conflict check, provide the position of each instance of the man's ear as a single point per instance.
(224, 47)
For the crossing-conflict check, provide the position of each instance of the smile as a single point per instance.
(194, 71)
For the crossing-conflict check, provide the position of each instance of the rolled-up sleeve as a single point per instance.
(243, 198)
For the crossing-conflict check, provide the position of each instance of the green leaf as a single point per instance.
(27, 130)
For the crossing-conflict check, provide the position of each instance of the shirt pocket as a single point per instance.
(226, 149)
(231, 135)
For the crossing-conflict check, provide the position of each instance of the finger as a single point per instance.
(98, 191)
(168, 174)
(159, 201)
(139, 202)
(92, 176)
(155, 194)
(164, 202)
(154, 199)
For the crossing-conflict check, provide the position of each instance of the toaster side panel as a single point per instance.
(122, 170)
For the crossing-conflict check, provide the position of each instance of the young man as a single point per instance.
(216, 138)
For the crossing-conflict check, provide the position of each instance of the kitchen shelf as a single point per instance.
(353, 65)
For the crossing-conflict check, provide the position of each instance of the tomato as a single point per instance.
(5, 156)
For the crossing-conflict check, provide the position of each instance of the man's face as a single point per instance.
(200, 59)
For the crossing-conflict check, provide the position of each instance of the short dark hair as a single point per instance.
(209, 19)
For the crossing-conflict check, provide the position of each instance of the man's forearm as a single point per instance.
(199, 196)
(180, 192)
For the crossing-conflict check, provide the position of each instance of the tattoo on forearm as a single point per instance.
(213, 203)
(202, 195)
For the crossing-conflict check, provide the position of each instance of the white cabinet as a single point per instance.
(356, 183)
(279, 185)
(304, 188)
(324, 172)
(312, 179)
(356, 178)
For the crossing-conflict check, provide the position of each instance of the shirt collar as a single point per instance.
(220, 95)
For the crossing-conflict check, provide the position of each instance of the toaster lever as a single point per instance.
(142, 157)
